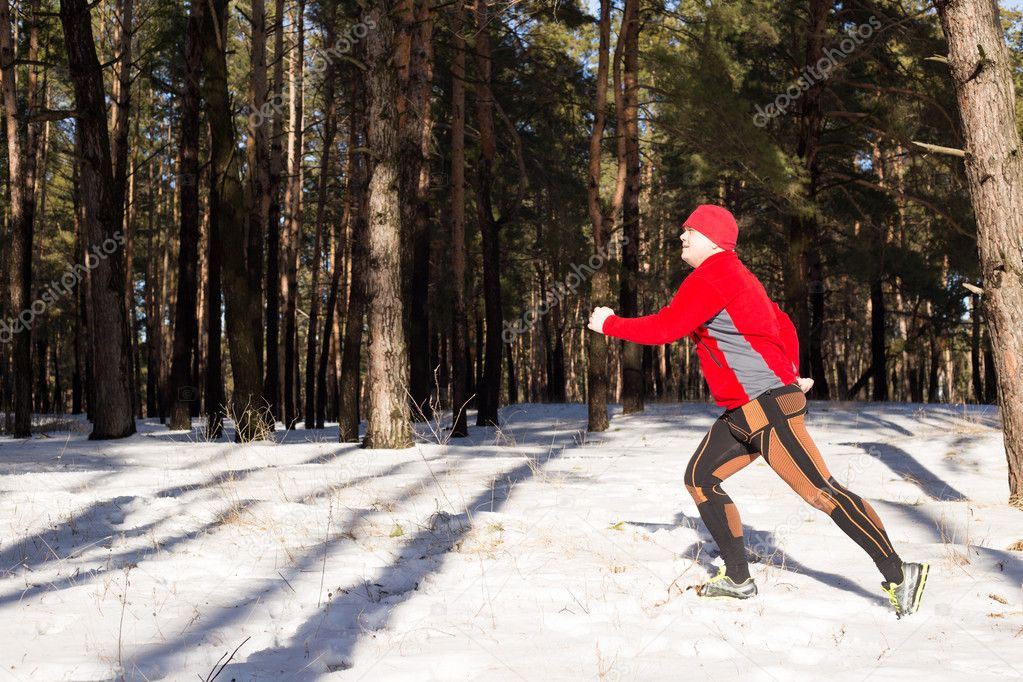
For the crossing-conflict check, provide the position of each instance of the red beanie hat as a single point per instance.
(715, 223)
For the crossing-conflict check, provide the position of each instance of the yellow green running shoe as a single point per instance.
(905, 596)
(723, 586)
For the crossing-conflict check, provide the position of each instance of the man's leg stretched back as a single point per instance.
(773, 425)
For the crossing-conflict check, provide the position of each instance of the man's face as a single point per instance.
(695, 246)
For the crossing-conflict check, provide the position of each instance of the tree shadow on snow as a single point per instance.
(912, 471)
(327, 640)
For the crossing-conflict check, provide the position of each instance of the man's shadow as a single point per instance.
(761, 548)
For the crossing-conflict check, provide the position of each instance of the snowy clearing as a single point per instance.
(532, 553)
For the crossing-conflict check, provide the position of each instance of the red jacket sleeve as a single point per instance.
(695, 302)
(789, 338)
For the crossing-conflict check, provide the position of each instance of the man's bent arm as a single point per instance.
(695, 302)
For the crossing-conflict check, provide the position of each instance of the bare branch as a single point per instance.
(938, 149)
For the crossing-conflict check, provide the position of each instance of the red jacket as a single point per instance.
(745, 343)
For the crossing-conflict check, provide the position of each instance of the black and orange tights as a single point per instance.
(773, 425)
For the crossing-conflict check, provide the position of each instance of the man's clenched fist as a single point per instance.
(597, 317)
(805, 383)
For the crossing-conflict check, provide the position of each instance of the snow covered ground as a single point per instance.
(534, 552)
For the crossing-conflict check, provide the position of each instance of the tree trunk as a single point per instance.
(990, 378)
(975, 369)
(460, 395)
(330, 338)
(632, 353)
(982, 76)
(186, 325)
(351, 353)
(78, 374)
(489, 384)
(596, 344)
(291, 244)
(102, 205)
(257, 188)
(213, 383)
(803, 273)
(329, 131)
(878, 351)
(42, 392)
(21, 163)
(388, 370)
(272, 379)
(227, 218)
(414, 129)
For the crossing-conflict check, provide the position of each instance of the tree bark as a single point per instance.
(329, 131)
(257, 187)
(632, 353)
(460, 395)
(878, 352)
(272, 379)
(183, 392)
(388, 370)
(489, 387)
(21, 164)
(803, 272)
(351, 353)
(975, 369)
(293, 222)
(415, 127)
(981, 70)
(329, 336)
(316, 373)
(596, 344)
(102, 205)
(227, 218)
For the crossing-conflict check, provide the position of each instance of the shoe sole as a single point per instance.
(722, 597)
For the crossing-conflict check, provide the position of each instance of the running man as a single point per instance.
(749, 354)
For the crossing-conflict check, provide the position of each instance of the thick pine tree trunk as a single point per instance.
(186, 324)
(227, 216)
(803, 271)
(982, 76)
(102, 206)
(388, 370)
(415, 127)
